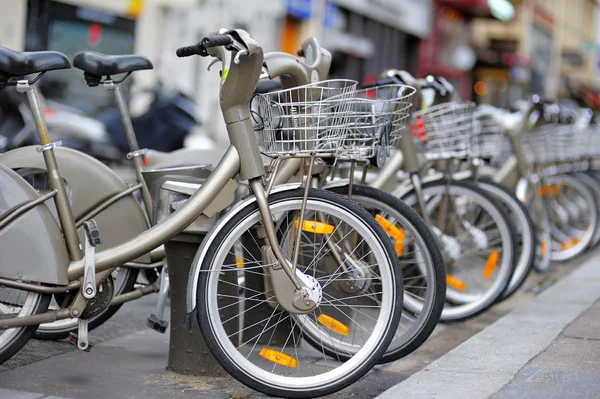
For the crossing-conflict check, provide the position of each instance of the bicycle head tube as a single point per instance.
(242, 62)
(294, 72)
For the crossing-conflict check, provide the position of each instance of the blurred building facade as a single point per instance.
(549, 48)
(447, 50)
(364, 36)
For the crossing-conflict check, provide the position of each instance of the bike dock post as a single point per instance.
(188, 353)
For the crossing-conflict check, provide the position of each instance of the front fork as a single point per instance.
(296, 292)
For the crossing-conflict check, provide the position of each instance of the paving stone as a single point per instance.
(487, 362)
(9, 393)
(587, 325)
(537, 382)
(574, 353)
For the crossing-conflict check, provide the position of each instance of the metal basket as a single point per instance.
(502, 155)
(377, 116)
(594, 144)
(487, 139)
(303, 120)
(553, 143)
(443, 131)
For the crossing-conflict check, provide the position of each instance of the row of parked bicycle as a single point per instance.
(340, 226)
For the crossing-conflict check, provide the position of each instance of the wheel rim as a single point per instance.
(421, 271)
(564, 249)
(466, 302)
(526, 244)
(8, 303)
(310, 381)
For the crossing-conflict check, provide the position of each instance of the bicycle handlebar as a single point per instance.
(188, 51)
(207, 42)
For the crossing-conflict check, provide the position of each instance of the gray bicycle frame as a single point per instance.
(242, 157)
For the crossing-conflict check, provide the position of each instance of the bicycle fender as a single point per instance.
(407, 187)
(31, 246)
(91, 182)
(336, 183)
(208, 240)
(521, 190)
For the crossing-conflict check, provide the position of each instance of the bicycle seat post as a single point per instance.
(55, 180)
(135, 153)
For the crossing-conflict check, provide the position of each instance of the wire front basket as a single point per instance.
(555, 142)
(487, 140)
(377, 117)
(307, 119)
(443, 131)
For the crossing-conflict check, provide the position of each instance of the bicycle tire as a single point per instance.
(508, 238)
(520, 218)
(279, 385)
(367, 197)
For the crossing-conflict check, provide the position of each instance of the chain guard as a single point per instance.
(104, 295)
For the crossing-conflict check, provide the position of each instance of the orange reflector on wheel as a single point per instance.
(396, 233)
(569, 243)
(312, 226)
(399, 246)
(543, 247)
(455, 283)
(490, 264)
(332, 324)
(239, 262)
(278, 358)
(551, 190)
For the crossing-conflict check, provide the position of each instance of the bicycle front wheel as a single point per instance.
(477, 244)
(422, 264)
(264, 346)
(573, 215)
(525, 245)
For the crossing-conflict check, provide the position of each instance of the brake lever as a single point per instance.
(213, 62)
(236, 59)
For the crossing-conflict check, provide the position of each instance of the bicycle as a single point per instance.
(215, 270)
(545, 155)
(378, 115)
(472, 229)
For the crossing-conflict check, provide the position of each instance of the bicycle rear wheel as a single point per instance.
(264, 346)
(15, 303)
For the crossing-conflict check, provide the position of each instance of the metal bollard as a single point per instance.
(188, 353)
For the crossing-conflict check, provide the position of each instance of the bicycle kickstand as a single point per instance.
(155, 320)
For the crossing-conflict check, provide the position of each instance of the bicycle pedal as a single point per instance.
(157, 325)
(72, 339)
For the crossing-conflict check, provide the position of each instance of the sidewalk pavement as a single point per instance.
(546, 348)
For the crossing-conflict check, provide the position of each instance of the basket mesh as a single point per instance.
(487, 138)
(377, 116)
(443, 131)
(306, 119)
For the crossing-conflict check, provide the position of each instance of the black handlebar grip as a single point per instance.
(216, 41)
(188, 51)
